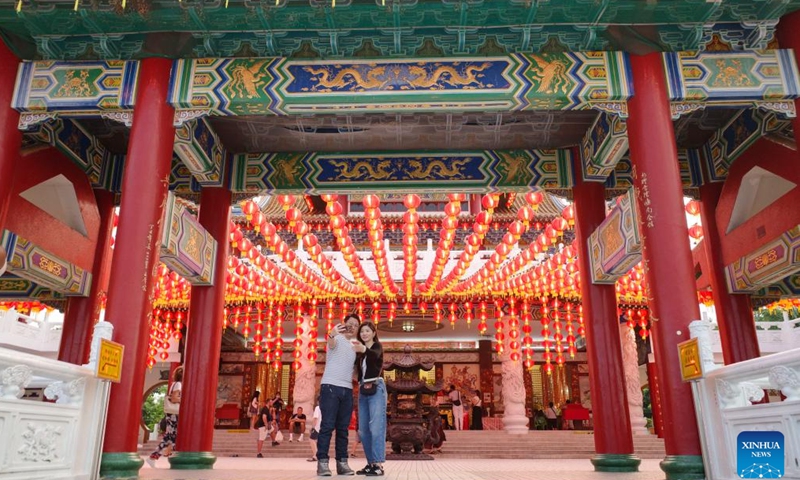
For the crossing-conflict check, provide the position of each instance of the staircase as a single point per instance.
(463, 444)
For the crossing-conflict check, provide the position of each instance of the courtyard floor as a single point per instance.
(228, 468)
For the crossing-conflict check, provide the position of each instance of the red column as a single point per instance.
(130, 291)
(788, 33)
(474, 204)
(203, 340)
(83, 312)
(344, 201)
(10, 136)
(737, 329)
(613, 441)
(655, 399)
(667, 257)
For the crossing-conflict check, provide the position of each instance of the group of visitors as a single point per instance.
(267, 421)
(458, 409)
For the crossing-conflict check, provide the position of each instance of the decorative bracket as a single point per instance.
(13, 381)
(70, 393)
(787, 379)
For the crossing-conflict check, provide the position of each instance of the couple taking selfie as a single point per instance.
(353, 345)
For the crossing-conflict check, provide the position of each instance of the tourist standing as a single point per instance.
(371, 399)
(477, 411)
(458, 409)
(336, 396)
(265, 426)
(172, 404)
(252, 410)
(316, 421)
(551, 416)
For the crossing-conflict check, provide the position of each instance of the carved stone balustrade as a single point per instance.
(725, 398)
(30, 333)
(55, 439)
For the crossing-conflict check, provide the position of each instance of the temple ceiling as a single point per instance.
(379, 28)
(356, 133)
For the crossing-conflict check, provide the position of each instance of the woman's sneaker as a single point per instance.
(377, 471)
(365, 471)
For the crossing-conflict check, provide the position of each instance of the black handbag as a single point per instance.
(368, 388)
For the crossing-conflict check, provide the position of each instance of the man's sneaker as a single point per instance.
(322, 469)
(377, 471)
(365, 471)
(151, 461)
(342, 468)
(275, 444)
(259, 456)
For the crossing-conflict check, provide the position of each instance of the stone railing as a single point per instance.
(52, 417)
(773, 337)
(30, 333)
(724, 400)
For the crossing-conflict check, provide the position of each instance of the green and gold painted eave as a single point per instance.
(280, 86)
(378, 28)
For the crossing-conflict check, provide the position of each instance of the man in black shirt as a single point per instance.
(265, 427)
(297, 424)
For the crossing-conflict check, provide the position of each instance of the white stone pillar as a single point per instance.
(701, 330)
(305, 378)
(630, 365)
(514, 419)
(101, 330)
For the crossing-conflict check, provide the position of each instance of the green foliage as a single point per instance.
(153, 406)
(765, 315)
(647, 405)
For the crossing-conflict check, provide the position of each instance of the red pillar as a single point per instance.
(655, 399)
(203, 340)
(83, 312)
(136, 253)
(788, 33)
(613, 440)
(737, 329)
(10, 136)
(667, 257)
(344, 201)
(474, 204)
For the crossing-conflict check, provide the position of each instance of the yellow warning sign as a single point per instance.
(109, 365)
(691, 367)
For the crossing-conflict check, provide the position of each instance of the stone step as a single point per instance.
(490, 444)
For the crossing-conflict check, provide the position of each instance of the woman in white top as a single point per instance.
(316, 421)
(171, 433)
(477, 411)
(458, 408)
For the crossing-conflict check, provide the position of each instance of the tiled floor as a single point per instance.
(298, 469)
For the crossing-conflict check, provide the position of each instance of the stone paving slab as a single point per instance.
(440, 469)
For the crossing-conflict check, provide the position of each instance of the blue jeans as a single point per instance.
(372, 424)
(336, 406)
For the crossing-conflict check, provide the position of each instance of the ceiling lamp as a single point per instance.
(408, 326)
